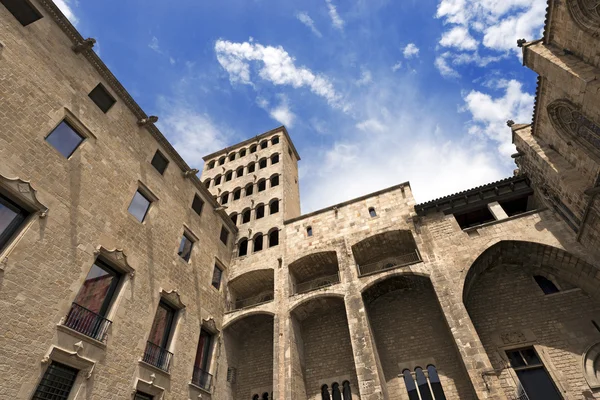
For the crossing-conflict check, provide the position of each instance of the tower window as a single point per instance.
(262, 163)
(228, 176)
(232, 157)
(309, 231)
(22, 10)
(264, 144)
(372, 212)
(102, 98)
(57, 382)
(274, 207)
(243, 247)
(217, 180)
(65, 139)
(249, 189)
(224, 198)
(221, 160)
(262, 185)
(197, 204)
(234, 217)
(260, 211)
(275, 181)
(185, 247)
(159, 162)
(275, 140)
(246, 216)
(258, 242)
(253, 148)
(207, 183)
(239, 172)
(274, 238)
(211, 164)
(251, 167)
(547, 286)
(274, 159)
(535, 383)
(224, 235)
(242, 153)
(237, 193)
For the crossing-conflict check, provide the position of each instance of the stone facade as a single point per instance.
(374, 296)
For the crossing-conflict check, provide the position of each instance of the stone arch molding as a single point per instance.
(572, 125)
(173, 298)
(591, 365)
(24, 192)
(586, 14)
(117, 258)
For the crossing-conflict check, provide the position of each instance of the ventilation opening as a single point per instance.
(102, 98)
(474, 217)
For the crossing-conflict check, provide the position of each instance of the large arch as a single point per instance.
(251, 288)
(525, 296)
(314, 271)
(384, 251)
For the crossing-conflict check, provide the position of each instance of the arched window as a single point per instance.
(309, 231)
(262, 163)
(260, 211)
(346, 390)
(265, 396)
(274, 159)
(422, 384)
(239, 172)
(251, 167)
(547, 286)
(256, 397)
(253, 148)
(207, 183)
(237, 193)
(258, 242)
(246, 216)
(372, 212)
(274, 207)
(211, 164)
(411, 388)
(222, 160)
(275, 140)
(335, 391)
(274, 238)
(264, 144)
(228, 176)
(242, 153)
(224, 198)
(249, 189)
(232, 157)
(242, 247)
(436, 385)
(234, 217)
(262, 185)
(217, 180)
(572, 125)
(275, 180)
(325, 393)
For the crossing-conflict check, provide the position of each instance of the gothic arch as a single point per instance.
(573, 126)
(586, 14)
(591, 365)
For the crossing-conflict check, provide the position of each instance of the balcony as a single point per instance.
(250, 289)
(157, 356)
(317, 283)
(250, 301)
(202, 379)
(385, 251)
(87, 322)
(314, 271)
(389, 263)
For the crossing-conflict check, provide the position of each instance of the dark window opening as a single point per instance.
(275, 181)
(207, 183)
(274, 208)
(242, 153)
(232, 157)
(547, 286)
(234, 218)
(411, 387)
(275, 140)
(185, 247)
(159, 162)
(217, 180)
(139, 206)
(518, 206)
(221, 160)
(22, 10)
(253, 149)
(197, 204)
(201, 377)
(249, 189)
(473, 218)
(237, 194)
(251, 167)
(228, 176)
(290, 153)
(372, 212)
(102, 98)
(262, 185)
(65, 139)
(535, 382)
(231, 374)
(217, 274)
(224, 198)
(57, 382)
(325, 393)
(224, 235)
(264, 144)
(265, 396)
(243, 247)
(335, 391)
(142, 396)
(12, 218)
(346, 390)
(211, 164)
(262, 163)
(422, 384)
(274, 159)
(436, 385)
(309, 231)
(239, 172)
(258, 243)
(260, 211)
(274, 238)
(246, 216)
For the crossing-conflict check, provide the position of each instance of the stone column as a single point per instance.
(497, 211)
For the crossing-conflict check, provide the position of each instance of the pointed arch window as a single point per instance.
(572, 125)
(547, 286)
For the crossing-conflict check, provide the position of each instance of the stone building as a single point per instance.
(124, 275)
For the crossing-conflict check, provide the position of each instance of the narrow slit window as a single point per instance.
(102, 98)
(347, 391)
(197, 204)
(249, 189)
(325, 393)
(65, 139)
(309, 231)
(22, 10)
(372, 212)
(185, 247)
(159, 162)
(547, 286)
(217, 274)
(335, 391)
(57, 382)
(224, 235)
(411, 387)
(139, 206)
(436, 385)
(422, 384)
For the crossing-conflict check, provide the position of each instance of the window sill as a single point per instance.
(525, 214)
(200, 388)
(153, 368)
(81, 336)
(562, 292)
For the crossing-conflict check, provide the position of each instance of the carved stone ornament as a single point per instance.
(572, 125)
(149, 387)
(210, 324)
(116, 258)
(591, 365)
(71, 358)
(23, 191)
(586, 14)
(173, 298)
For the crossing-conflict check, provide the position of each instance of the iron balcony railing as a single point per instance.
(87, 322)
(250, 301)
(390, 262)
(317, 283)
(202, 378)
(157, 356)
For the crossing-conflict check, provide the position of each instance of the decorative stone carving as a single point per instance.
(190, 173)
(210, 324)
(71, 358)
(572, 125)
(116, 258)
(148, 121)
(591, 365)
(586, 14)
(23, 191)
(513, 337)
(172, 297)
(87, 44)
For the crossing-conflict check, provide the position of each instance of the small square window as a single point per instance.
(102, 98)
(65, 139)
(159, 162)
(217, 274)
(139, 206)
(22, 10)
(185, 247)
(197, 204)
(224, 235)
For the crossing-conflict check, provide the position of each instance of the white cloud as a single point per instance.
(277, 67)
(65, 7)
(446, 70)
(490, 114)
(460, 38)
(303, 17)
(410, 51)
(365, 78)
(371, 125)
(336, 20)
(154, 44)
(397, 66)
(281, 113)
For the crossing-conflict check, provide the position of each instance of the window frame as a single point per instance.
(545, 364)
(102, 88)
(46, 382)
(16, 225)
(218, 283)
(190, 238)
(67, 122)
(224, 232)
(146, 194)
(161, 157)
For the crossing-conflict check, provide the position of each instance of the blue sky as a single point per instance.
(373, 92)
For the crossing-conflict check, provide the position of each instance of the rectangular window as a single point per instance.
(217, 274)
(185, 247)
(224, 235)
(197, 204)
(475, 217)
(139, 206)
(22, 10)
(156, 348)
(65, 139)
(159, 162)
(142, 396)
(102, 98)
(534, 380)
(12, 218)
(202, 363)
(57, 382)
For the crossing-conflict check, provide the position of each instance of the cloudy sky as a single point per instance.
(372, 92)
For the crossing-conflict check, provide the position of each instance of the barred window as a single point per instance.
(57, 382)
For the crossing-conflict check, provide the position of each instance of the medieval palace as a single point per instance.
(126, 274)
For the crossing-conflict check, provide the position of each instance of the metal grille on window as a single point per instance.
(57, 382)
